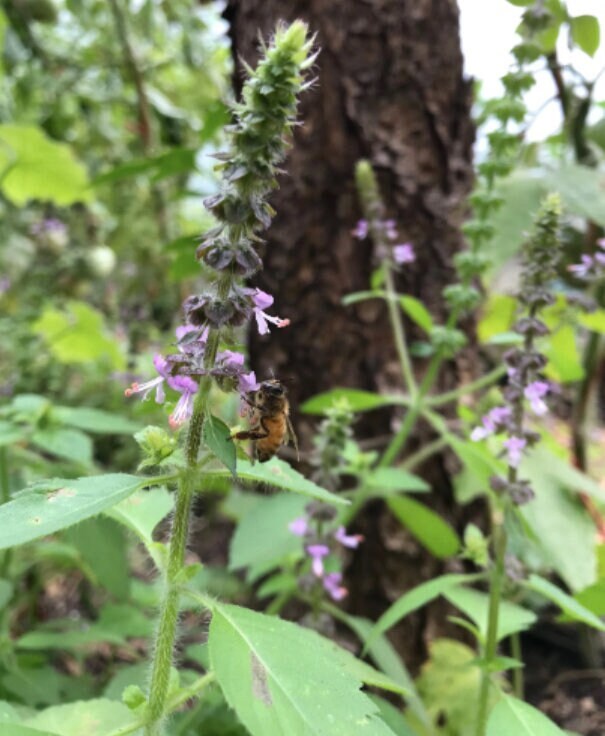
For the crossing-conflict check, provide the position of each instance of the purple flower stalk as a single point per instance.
(335, 590)
(535, 393)
(493, 422)
(514, 447)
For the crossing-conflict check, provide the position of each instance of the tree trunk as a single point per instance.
(390, 89)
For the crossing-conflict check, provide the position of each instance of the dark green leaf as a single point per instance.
(70, 444)
(217, 438)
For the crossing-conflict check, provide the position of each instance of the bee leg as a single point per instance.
(250, 434)
(292, 437)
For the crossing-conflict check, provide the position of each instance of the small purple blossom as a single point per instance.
(187, 387)
(534, 393)
(404, 253)
(361, 230)
(247, 382)
(514, 447)
(584, 269)
(492, 422)
(317, 552)
(263, 301)
(347, 540)
(48, 225)
(390, 228)
(230, 361)
(299, 527)
(161, 366)
(5, 284)
(332, 584)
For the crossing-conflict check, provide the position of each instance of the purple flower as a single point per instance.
(347, 540)
(492, 422)
(317, 552)
(361, 230)
(390, 228)
(161, 366)
(404, 253)
(331, 583)
(5, 284)
(247, 382)
(229, 361)
(534, 394)
(262, 301)
(187, 387)
(582, 270)
(514, 447)
(299, 527)
(601, 243)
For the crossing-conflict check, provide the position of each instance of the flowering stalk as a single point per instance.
(258, 144)
(524, 364)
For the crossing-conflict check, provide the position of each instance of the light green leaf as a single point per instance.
(142, 511)
(262, 538)
(479, 465)
(387, 481)
(556, 513)
(6, 592)
(574, 610)
(91, 717)
(427, 526)
(217, 438)
(273, 672)
(564, 362)
(581, 190)
(11, 433)
(36, 167)
(278, 474)
(513, 716)
(585, 31)
(415, 599)
(93, 420)
(417, 312)
(358, 400)
(70, 444)
(57, 504)
(14, 729)
(392, 716)
(475, 605)
(78, 334)
(594, 321)
(449, 685)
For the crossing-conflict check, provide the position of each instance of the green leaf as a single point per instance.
(102, 545)
(581, 190)
(93, 420)
(387, 481)
(556, 513)
(427, 526)
(392, 716)
(11, 433)
(77, 334)
(479, 465)
(415, 599)
(266, 667)
(70, 444)
(497, 317)
(362, 296)
(278, 474)
(574, 610)
(585, 31)
(142, 511)
(594, 321)
(417, 312)
(217, 438)
(36, 167)
(57, 504)
(593, 597)
(14, 729)
(564, 361)
(358, 400)
(513, 716)
(449, 685)
(91, 717)
(6, 592)
(262, 539)
(475, 605)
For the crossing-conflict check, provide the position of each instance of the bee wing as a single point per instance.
(292, 437)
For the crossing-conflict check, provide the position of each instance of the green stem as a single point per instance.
(485, 381)
(167, 628)
(495, 596)
(5, 494)
(424, 453)
(515, 647)
(399, 330)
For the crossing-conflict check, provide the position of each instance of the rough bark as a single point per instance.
(390, 89)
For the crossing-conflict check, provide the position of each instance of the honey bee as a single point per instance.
(269, 416)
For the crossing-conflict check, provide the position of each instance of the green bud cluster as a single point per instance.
(334, 432)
